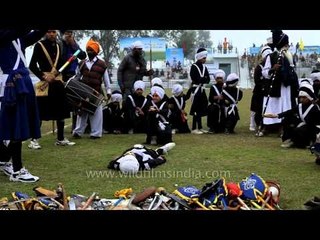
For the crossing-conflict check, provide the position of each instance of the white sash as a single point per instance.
(177, 102)
(134, 104)
(203, 70)
(160, 108)
(303, 115)
(234, 102)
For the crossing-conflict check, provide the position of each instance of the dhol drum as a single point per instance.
(83, 96)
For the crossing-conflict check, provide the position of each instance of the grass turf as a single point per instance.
(196, 160)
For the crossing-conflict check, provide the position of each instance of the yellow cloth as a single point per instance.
(124, 193)
(94, 45)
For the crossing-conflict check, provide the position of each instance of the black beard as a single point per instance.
(91, 55)
(137, 55)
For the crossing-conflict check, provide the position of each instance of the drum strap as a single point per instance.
(81, 65)
(48, 56)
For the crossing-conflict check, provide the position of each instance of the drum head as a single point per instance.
(82, 96)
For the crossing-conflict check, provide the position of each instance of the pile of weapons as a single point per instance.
(252, 193)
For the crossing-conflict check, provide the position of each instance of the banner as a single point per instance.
(157, 46)
(254, 50)
(174, 57)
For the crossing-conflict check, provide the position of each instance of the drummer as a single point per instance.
(93, 71)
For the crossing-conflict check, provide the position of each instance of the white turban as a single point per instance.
(137, 44)
(232, 80)
(201, 54)
(156, 81)
(177, 89)
(305, 82)
(315, 76)
(158, 90)
(220, 73)
(265, 51)
(306, 90)
(116, 97)
(128, 164)
(139, 84)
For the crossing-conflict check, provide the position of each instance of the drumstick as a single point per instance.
(73, 57)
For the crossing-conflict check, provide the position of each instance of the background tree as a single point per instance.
(187, 40)
(203, 39)
(109, 40)
(171, 36)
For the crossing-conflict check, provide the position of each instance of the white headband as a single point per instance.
(177, 89)
(139, 84)
(156, 81)
(315, 76)
(116, 97)
(305, 94)
(201, 55)
(158, 90)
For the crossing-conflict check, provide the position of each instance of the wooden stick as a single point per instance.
(89, 201)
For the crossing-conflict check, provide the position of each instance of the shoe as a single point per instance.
(166, 148)
(211, 131)
(23, 176)
(287, 143)
(173, 131)
(64, 142)
(94, 137)
(259, 134)
(202, 130)
(312, 204)
(130, 131)
(6, 168)
(252, 128)
(34, 144)
(196, 131)
(76, 136)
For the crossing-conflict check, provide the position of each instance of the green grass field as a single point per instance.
(196, 160)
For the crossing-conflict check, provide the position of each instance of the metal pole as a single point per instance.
(150, 76)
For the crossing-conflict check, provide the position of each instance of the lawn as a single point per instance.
(196, 160)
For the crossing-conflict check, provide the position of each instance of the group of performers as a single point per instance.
(278, 98)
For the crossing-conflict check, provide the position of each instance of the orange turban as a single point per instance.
(94, 45)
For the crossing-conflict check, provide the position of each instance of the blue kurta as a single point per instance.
(19, 117)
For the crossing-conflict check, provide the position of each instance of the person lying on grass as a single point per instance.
(140, 157)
